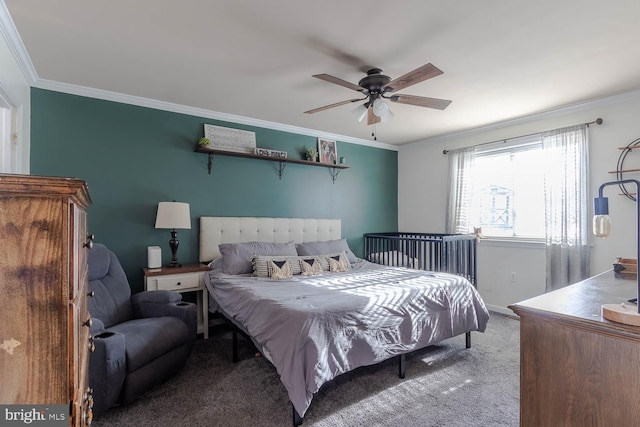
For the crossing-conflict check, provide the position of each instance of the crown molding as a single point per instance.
(14, 42)
(7, 100)
(556, 112)
(199, 112)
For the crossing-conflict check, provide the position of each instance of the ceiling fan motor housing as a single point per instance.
(374, 81)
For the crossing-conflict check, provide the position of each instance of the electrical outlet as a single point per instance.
(512, 277)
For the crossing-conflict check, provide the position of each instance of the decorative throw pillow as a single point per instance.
(279, 270)
(261, 264)
(310, 266)
(324, 259)
(338, 263)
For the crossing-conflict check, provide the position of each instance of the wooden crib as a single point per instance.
(451, 253)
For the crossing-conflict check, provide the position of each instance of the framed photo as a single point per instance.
(327, 151)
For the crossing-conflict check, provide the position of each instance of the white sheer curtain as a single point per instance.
(566, 205)
(461, 165)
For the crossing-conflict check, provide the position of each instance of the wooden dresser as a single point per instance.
(44, 320)
(577, 368)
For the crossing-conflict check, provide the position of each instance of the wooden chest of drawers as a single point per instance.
(576, 367)
(44, 320)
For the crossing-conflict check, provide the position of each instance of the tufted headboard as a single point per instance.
(226, 229)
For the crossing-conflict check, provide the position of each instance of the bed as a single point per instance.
(315, 323)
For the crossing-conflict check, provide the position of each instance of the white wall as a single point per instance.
(15, 87)
(423, 188)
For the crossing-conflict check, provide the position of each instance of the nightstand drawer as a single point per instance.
(177, 282)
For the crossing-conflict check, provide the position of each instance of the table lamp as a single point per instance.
(172, 215)
(601, 227)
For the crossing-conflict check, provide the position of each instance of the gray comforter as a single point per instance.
(314, 328)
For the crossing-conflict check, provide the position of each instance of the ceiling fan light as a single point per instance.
(380, 108)
(388, 116)
(360, 112)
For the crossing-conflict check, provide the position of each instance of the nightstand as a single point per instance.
(188, 278)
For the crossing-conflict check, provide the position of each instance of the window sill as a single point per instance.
(512, 243)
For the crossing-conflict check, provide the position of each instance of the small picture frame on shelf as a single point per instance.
(327, 151)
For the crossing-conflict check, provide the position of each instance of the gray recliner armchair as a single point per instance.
(140, 340)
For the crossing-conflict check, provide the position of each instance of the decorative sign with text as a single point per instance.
(265, 152)
(229, 139)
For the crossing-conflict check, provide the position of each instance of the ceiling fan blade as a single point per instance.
(337, 104)
(372, 119)
(421, 101)
(418, 75)
(338, 81)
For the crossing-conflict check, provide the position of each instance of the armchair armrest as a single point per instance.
(166, 303)
(96, 326)
(156, 297)
(107, 367)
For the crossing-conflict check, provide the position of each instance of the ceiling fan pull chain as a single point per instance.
(373, 133)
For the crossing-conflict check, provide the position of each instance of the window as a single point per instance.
(534, 187)
(507, 193)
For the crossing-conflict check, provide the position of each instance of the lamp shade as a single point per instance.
(173, 215)
(360, 112)
(380, 108)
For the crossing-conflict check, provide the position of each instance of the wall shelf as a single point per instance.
(335, 169)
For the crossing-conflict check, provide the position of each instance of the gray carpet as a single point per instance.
(445, 385)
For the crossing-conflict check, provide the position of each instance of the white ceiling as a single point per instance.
(502, 59)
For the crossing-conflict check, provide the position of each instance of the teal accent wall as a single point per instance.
(134, 157)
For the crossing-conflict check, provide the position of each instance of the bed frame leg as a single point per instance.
(468, 339)
(234, 334)
(297, 419)
(402, 366)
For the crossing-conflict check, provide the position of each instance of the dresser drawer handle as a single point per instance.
(91, 294)
(89, 242)
(88, 322)
(179, 283)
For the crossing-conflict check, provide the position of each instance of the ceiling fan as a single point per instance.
(376, 87)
